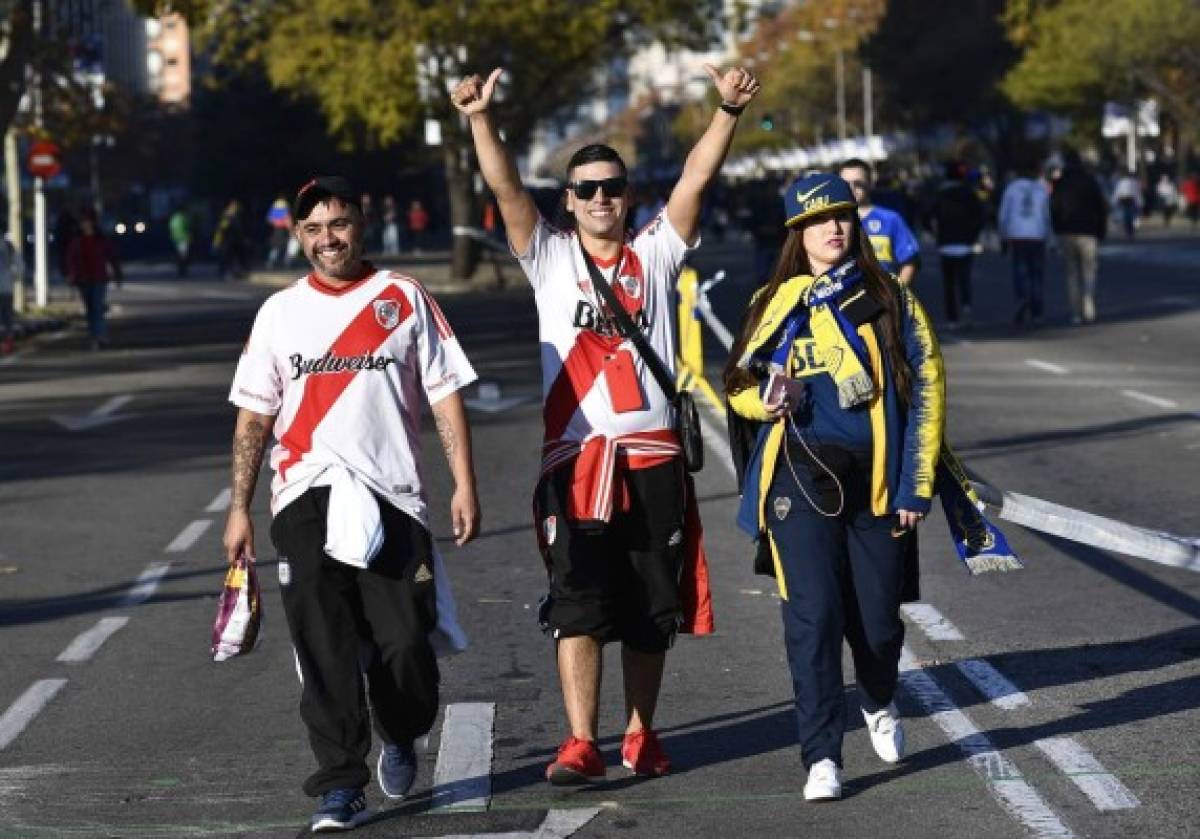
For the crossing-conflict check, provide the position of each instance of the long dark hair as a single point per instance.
(880, 285)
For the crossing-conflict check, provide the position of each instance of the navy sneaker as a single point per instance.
(341, 809)
(397, 769)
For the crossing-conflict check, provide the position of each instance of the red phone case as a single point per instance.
(624, 389)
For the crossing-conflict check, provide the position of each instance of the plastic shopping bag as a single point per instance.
(239, 612)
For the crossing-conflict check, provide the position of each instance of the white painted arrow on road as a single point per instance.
(105, 414)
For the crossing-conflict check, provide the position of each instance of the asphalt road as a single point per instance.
(1060, 700)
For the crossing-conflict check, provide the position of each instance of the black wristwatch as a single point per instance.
(732, 110)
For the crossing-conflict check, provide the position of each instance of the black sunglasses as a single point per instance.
(613, 187)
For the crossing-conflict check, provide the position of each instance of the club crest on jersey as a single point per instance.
(632, 287)
(550, 529)
(387, 313)
(584, 285)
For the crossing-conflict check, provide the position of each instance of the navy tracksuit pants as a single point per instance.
(844, 576)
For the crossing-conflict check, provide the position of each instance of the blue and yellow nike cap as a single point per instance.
(814, 194)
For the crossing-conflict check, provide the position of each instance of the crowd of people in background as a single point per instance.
(1040, 204)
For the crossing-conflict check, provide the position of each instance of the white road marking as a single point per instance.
(12, 359)
(992, 683)
(209, 294)
(1175, 300)
(1004, 781)
(105, 414)
(146, 584)
(1096, 782)
(462, 777)
(86, 643)
(931, 622)
(495, 406)
(219, 504)
(188, 536)
(152, 290)
(558, 824)
(28, 705)
(714, 435)
(1047, 366)
(1156, 401)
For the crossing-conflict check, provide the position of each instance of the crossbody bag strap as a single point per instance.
(627, 328)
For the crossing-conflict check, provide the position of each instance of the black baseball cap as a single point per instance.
(319, 190)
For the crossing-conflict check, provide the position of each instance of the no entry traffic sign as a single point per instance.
(44, 159)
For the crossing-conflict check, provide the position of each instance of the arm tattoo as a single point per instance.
(446, 432)
(248, 446)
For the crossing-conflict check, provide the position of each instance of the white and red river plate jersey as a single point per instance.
(344, 372)
(579, 340)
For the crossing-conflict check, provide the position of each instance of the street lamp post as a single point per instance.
(868, 112)
(41, 274)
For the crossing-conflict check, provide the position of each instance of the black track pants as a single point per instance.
(345, 621)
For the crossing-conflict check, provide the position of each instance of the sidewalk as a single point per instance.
(495, 272)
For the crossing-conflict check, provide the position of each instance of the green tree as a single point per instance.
(938, 62)
(377, 69)
(795, 52)
(1080, 54)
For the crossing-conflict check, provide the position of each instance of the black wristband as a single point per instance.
(732, 110)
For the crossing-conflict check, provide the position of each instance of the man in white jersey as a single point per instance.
(615, 515)
(338, 365)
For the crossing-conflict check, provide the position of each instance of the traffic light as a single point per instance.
(767, 123)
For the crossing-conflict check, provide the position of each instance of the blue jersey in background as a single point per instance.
(893, 242)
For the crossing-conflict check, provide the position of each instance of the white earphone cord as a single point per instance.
(788, 457)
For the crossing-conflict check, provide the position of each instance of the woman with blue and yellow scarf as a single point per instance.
(847, 452)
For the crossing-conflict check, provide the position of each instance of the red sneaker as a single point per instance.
(578, 762)
(642, 753)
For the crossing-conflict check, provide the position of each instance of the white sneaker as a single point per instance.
(887, 733)
(824, 782)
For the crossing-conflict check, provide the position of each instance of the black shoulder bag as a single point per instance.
(687, 418)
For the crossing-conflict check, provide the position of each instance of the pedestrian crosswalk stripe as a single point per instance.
(462, 778)
(992, 683)
(931, 621)
(1004, 780)
(1096, 782)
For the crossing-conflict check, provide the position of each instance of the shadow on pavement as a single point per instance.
(39, 610)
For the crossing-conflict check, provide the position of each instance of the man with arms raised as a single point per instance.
(337, 365)
(615, 516)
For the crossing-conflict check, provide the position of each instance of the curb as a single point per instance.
(27, 327)
(276, 279)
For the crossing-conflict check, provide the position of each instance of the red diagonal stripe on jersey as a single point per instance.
(365, 334)
(579, 371)
(443, 326)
